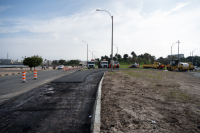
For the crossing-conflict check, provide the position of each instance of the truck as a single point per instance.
(91, 64)
(156, 65)
(180, 66)
(103, 64)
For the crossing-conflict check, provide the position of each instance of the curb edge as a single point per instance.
(96, 116)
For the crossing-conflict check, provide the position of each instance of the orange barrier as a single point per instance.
(35, 74)
(23, 77)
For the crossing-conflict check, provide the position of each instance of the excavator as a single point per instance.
(180, 66)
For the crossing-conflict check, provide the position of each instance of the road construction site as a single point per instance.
(132, 100)
(141, 100)
(62, 105)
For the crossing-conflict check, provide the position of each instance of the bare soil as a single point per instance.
(150, 101)
(52, 108)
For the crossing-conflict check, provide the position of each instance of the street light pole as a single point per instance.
(111, 39)
(87, 52)
(117, 48)
(171, 50)
(178, 49)
(192, 56)
(92, 53)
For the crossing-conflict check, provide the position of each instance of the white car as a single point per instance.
(196, 68)
(60, 67)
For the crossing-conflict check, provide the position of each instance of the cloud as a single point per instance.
(135, 29)
(3, 8)
(179, 6)
(56, 35)
(75, 39)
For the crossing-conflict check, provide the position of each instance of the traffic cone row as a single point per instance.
(24, 76)
(67, 69)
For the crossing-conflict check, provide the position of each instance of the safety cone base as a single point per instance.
(23, 81)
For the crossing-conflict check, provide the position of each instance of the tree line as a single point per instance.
(145, 58)
(148, 58)
(66, 63)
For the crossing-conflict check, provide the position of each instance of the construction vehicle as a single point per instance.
(114, 63)
(103, 64)
(91, 64)
(181, 66)
(156, 65)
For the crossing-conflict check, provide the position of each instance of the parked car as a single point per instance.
(60, 67)
(134, 65)
(196, 68)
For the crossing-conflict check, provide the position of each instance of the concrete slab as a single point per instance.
(78, 77)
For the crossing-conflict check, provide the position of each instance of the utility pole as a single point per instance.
(192, 56)
(178, 49)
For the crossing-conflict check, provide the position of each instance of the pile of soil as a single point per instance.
(150, 101)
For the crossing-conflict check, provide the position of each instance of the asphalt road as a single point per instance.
(78, 77)
(196, 74)
(11, 86)
(54, 107)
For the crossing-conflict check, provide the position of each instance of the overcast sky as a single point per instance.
(55, 29)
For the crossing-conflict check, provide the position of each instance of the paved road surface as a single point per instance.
(197, 74)
(78, 77)
(54, 107)
(11, 86)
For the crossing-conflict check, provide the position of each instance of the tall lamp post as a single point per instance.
(171, 49)
(92, 53)
(87, 52)
(116, 47)
(111, 39)
(192, 56)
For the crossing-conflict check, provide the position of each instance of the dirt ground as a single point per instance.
(150, 101)
(52, 108)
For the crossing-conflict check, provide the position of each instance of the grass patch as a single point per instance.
(112, 72)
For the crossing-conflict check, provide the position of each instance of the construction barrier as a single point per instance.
(35, 74)
(23, 77)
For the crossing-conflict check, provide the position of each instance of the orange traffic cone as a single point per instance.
(23, 77)
(35, 74)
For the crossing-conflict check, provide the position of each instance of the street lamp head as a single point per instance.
(98, 10)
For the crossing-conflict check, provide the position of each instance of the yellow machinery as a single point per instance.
(156, 65)
(181, 66)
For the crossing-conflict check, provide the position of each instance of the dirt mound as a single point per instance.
(150, 101)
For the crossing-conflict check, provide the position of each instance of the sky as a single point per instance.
(56, 29)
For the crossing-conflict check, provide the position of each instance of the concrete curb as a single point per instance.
(96, 116)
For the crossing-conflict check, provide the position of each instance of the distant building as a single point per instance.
(175, 55)
(83, 62)
(6, 61)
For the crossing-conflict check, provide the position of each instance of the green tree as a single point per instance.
(152, 58)
(139, 59)
(54, 62)
(129, 60)
(146, 56)
(125, 56)
(61, 62)
(73, 63)
(133, 54)
(33, 61)
(119, 56)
